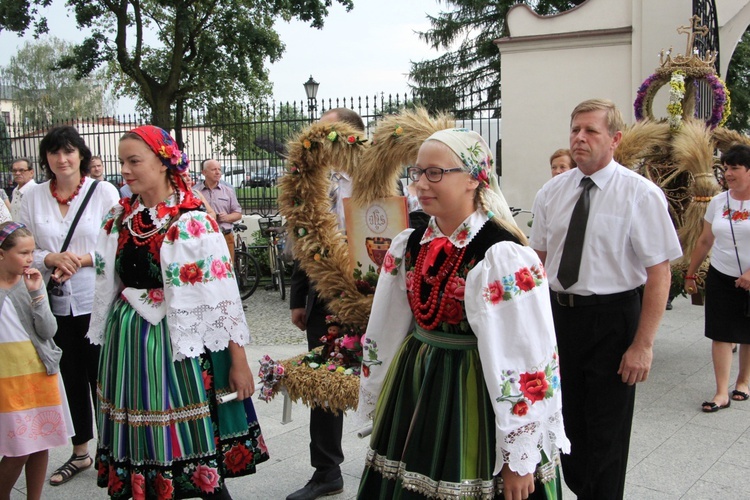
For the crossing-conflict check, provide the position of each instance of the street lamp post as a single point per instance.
(311, 89)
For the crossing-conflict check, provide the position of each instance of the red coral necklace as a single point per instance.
(429, 314)
(68, 200)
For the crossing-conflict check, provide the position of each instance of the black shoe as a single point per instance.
(669, 305)
(316, 489)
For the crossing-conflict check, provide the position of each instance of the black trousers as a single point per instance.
(326, 428)
(597, 405)
(78, 366)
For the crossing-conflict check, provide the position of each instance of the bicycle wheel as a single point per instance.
(247, 272)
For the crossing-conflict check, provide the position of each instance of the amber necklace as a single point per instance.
(68, 200)
(429, 313)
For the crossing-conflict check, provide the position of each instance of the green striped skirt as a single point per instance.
(434, 427)
(162, 433)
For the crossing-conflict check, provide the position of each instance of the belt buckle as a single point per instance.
(568, 299)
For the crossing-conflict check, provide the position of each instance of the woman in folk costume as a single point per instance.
(460, 372)
(169, 317)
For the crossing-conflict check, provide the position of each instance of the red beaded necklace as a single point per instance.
(429, 314)
(65, 201)
(144, 233)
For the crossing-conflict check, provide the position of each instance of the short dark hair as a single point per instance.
(347, 115)
(19, 160)
(64, 136)
(739, 154)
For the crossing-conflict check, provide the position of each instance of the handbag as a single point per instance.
(746, 304)
(54, 288)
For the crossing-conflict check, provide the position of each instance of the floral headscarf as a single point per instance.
(471, 149)
(477, 158)
(163, 146)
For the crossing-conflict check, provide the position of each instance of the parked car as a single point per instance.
(265, 177)
(234, 176)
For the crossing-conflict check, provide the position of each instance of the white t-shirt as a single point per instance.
(628, 229)
(723, 257)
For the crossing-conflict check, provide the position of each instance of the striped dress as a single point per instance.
(162, 432)
(33, 408)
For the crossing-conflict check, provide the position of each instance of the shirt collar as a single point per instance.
(601, 177)
(463, 234)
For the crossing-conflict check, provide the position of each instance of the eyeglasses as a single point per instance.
(14, 171)
(434, 174)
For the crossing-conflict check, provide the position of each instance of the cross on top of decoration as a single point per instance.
(691, 57)
(691, 31)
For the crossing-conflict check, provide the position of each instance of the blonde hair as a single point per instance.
(615, 122)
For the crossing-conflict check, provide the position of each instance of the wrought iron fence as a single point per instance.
(249, 142)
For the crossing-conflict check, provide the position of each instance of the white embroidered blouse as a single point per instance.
(507, 304)
(200, 298)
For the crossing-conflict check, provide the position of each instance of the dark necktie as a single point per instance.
(570, 262)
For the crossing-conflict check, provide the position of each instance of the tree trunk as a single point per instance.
(160, 112)
(178, 119)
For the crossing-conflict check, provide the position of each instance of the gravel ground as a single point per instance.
(269, 319)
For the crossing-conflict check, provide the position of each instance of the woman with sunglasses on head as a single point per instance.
(49, 210)
(460, 366)
(172, 328)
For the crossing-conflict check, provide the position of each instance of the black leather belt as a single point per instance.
(570, 300)
(226, 231)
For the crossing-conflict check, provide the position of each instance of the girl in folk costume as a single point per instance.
(460, 372)
(33, 410)
(170, 321)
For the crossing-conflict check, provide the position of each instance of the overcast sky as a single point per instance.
(363, 52)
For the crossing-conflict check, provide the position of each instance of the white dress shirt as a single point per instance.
(628, 229)
(41, 213)
(18, 193)
(344, 190)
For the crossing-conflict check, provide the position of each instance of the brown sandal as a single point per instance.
(67, 470)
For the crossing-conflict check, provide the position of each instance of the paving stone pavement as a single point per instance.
(676, 452)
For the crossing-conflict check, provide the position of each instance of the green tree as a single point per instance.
(738, 82)
(43, 93)
(208, 51)
(258, 133)
(475, 63)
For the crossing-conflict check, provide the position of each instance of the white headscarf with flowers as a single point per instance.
(476, 156)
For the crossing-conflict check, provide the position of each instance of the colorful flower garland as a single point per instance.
(676, 96)
(677, 81)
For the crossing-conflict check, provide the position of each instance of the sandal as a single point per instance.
(712, 407)
(740, 396)
(68, 470)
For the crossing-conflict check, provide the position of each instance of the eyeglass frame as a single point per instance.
(14, 171)
(421, 171)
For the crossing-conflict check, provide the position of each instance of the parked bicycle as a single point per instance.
(246, 268)
(272, 229)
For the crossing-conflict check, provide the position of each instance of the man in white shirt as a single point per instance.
(605, 334)
(23, 174)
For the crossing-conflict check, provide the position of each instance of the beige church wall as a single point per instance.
(536, 118)
(602, 48)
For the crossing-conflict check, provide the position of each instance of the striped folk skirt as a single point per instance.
(434, 429)
(162, 433)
